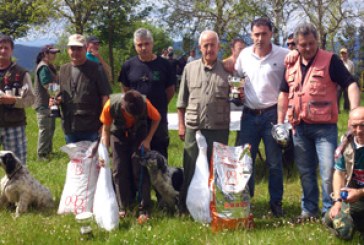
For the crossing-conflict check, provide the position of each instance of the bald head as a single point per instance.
(357, 113)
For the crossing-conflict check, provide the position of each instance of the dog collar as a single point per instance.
(15, 171)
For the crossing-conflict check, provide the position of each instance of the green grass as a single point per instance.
(46, 227)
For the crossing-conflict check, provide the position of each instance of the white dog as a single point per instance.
(19, 187)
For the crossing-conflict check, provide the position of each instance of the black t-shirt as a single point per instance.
(151, 79)
(338, 74)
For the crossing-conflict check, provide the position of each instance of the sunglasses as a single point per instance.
(292, 43)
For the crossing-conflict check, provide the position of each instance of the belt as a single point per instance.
(258, 112)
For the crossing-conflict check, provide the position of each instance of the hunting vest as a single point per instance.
(81, 101)
(118, 127)
(10, 116)
(314, 101)
(40, 92)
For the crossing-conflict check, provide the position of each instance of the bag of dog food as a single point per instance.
(82, 172)
(106, 209)
(198, 194)
(231, 168)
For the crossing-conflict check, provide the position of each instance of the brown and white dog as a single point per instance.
(19, 187)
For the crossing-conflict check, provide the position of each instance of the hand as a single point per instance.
(229, 65)
(291, 57)
(101, 163)
(7, 100)
(55, 101)
(146, 144)
(95, 53)
(335, 209)
(353, 195)
(182, 132)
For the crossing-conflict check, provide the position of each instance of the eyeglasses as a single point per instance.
(292, 43)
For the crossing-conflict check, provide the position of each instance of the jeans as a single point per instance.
(81, 136)
(253, 129)
(46, 127)
(314, 144)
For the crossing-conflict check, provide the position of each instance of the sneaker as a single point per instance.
(277, 209)
(305, 217)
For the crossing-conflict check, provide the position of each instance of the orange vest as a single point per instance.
(314, 101)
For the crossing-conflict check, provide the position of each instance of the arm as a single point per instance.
(170, 93)
(282, 107)
(181, 123)
(354, 95)
(153, 127)
(291, 57)
(338, 182)
(105, 138)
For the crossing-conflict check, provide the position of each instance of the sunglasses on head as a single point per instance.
(291, 43)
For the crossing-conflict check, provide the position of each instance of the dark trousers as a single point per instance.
(127, 175)
(343, 92)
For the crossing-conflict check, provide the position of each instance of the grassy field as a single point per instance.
(46, 227)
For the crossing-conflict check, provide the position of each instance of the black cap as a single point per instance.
(50, 49)
(92, 39)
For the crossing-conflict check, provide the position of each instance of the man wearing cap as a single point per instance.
(350, 66)
(93, 45)
(82, 95)
(45, 74)
(16, 94)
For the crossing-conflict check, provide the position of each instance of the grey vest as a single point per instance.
(40, 92)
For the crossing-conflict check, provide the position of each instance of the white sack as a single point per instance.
(198, 194)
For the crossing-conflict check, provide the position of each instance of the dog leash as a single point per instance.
(141, 176)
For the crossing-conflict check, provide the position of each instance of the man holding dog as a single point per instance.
(308, 97)
(203, 104)
(349, 178)
(16, 94)
(125, 129)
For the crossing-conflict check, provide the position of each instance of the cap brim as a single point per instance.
(78, 44)
(54, 50)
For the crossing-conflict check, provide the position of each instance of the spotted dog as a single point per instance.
(167, 181)
(19, 187)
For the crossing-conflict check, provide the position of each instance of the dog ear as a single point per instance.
(162, 162)
(10, 162)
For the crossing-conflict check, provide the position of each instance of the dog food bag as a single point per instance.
(230, 170)
(106, 209)
(198, 194)
(82, 172)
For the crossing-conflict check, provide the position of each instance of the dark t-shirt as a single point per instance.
(338, 74)
(151, 79)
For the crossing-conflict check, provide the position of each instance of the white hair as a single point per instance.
(206, 32)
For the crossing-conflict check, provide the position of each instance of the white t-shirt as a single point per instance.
(263, 76)
(350, 66)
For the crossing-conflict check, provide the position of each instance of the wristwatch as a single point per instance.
(339, 199)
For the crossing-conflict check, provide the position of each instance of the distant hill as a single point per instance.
(25, 56)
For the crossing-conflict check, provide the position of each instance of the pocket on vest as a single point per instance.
(319, 111)
(84, 120)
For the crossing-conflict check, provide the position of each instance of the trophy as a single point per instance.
(53, 90)
(85, 219)
(236, 89)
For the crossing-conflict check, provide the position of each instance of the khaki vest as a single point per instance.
(40, 92)
(314, 101)
(81, 108)
(118, 128)
(10, 116)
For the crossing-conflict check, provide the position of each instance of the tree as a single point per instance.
(227, 17)
(78, 12)
(327, 15)
(18, 16)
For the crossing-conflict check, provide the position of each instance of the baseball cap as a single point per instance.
(92, 39)
(76, 40)
(50, 49)
(343, 50)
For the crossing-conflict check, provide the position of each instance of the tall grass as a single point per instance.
(46, 227)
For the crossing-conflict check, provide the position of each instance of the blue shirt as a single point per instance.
(92, 57)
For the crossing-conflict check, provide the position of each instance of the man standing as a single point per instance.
(83, 93)
(263, 65)
(93, 46)
(236, 46)
(350, 66)
(203, 104)
(152, 76)
(290, 42)
(16, 94)
(192, 56)
(308, 97)
(348, 176)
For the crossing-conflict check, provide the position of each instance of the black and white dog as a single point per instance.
(19, 187)
(167, 181)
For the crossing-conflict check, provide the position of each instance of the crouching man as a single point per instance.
(342, 218)
(124, 119)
